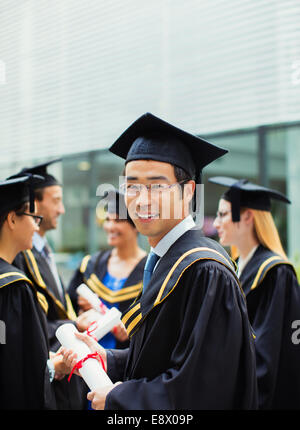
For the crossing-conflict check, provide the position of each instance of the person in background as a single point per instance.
(39, 265)
(244, 222)
(26, 371)
(115, 275)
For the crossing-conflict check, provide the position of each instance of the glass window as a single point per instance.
(277, 177)
(240, 162)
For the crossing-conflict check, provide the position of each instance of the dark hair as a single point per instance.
(39, 194)
(181, 175)
(128, 220)
(20, 208)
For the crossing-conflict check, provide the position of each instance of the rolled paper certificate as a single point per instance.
(92, 315)
(91, 370)
(106, 323)
(85, 292)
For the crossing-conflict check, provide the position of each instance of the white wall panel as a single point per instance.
(77, 73)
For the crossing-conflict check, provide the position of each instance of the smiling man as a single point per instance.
(39, 262)
(157, 212)
(191, 345)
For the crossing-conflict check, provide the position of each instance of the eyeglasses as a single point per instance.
(37, 218)
(221, 215)
(156, 189)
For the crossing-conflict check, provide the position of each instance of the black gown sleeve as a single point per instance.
(213, 360)
(273, 306)
(75, 281)
(24, 375)
(116, 363)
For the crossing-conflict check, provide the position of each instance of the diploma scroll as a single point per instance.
(91, 370)
(108, 318)
(106, 323)
(85, 292)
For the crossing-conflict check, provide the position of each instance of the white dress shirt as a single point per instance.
(243, 263)
(167, 241)
(39, 243)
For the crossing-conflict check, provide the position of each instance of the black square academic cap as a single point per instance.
(41, 170)
(242, 193)
(15, 192)
(151, 138)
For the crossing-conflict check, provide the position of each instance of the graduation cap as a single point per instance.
(14, 192)
(41, 171)
(243, 193)
(151, 138)
(115, 204)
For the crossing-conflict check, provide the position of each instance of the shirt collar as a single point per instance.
(167, 241)
(38, 241)
(243, 263)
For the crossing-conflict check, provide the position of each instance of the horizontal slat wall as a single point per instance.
(240, 60)
(77, 73)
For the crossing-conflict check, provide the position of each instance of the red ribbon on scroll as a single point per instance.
(79, 364)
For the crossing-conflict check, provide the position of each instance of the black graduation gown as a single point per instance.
(69, 395)
(273, 301)
(24, 374)
(191, 344)
(92, 270)
(36, 268)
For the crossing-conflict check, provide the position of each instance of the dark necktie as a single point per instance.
(50, 260)
(47, 251)
(149, 266)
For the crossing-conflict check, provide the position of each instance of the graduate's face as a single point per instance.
(223, 223)
(25, 226)
(154, 212)
(119, 231)
(50, 207)
(231, 233)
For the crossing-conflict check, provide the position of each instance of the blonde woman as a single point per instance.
(245, 223)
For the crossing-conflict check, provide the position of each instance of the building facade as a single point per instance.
(74, 75)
